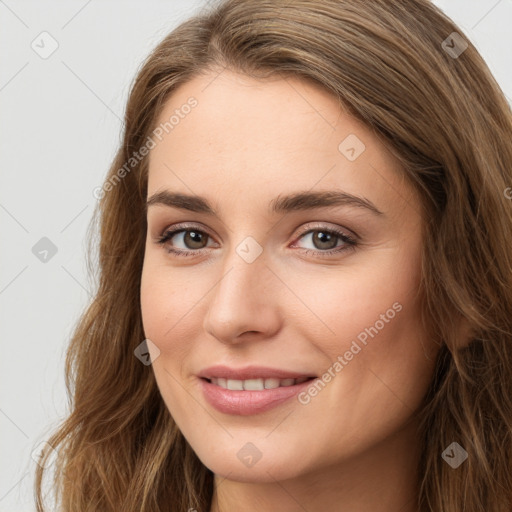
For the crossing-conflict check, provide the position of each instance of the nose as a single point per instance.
(244, 301)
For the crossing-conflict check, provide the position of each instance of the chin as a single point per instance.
(261, 472)
(244, 461)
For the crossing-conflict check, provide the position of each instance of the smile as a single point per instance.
(250, 390)
(256, 384)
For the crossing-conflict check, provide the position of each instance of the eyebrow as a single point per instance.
(298, 201)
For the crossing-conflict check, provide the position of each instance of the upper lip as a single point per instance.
(249, 372)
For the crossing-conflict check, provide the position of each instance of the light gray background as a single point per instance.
(60, 126)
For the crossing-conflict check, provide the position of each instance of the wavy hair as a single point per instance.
(447, 121)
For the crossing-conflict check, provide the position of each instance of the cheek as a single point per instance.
(378, 367)
(371, 319)
(164, 308)
(165, 302)
(375, 297)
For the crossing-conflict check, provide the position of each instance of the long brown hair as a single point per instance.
(444, 116)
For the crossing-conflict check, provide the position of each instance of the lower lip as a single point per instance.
(244, 403)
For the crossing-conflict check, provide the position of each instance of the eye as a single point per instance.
(326, 241)
(192, 238)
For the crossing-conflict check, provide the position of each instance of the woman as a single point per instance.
(305, 273)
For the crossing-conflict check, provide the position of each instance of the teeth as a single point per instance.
(236, 385)
(256, 384)
(272, 383)
(253, 384)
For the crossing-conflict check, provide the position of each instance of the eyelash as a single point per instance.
(350, 243)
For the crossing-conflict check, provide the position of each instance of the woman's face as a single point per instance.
(304, 257)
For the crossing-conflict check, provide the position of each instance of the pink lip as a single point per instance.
(244, 403)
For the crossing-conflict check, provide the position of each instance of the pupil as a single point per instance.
(324, 238)
(193, 237)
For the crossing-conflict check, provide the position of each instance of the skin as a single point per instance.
(355, 442)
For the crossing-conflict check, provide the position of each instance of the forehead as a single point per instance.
(278, 133)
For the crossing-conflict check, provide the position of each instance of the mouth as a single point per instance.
(255, 384)
(250, 390)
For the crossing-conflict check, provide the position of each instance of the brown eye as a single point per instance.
(194, 239)
(326, 241)
(184, 242)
